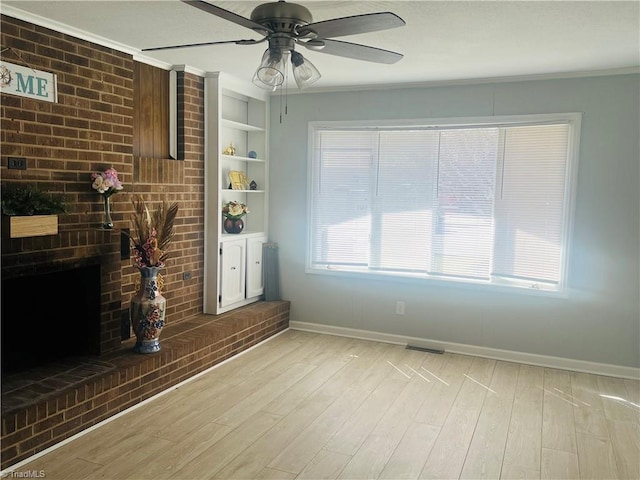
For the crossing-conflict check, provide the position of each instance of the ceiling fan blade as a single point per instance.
(369, 22)
(228, 15)
(237, 42)
(357, 51)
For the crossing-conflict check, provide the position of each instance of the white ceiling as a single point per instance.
(442, 41)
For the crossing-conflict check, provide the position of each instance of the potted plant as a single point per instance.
(28, 211)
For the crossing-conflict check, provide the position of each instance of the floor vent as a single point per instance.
(424, 349)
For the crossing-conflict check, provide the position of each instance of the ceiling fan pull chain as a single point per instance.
(286, 93)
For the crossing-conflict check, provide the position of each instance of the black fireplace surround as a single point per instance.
(49, 312)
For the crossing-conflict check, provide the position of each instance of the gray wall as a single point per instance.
(600, 319)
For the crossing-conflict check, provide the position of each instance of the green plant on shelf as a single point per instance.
(20, 199)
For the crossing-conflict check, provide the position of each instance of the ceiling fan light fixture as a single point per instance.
(304, 72)
(271, 70)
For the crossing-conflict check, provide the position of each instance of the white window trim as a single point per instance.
(573, 118)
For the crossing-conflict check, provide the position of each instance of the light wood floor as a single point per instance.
(310, 406)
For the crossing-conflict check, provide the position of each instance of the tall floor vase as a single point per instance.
(147, 312)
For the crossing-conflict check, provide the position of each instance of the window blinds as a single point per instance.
(486, 203)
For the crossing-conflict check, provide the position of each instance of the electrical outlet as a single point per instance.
(399, 308)
(186, 275)
(17, 163)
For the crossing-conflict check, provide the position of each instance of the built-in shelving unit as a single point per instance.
(236, 114)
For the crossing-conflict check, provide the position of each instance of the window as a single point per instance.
(483, 201)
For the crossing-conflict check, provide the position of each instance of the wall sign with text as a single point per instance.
(27, 82)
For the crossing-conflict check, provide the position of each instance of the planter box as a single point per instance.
(29, 225)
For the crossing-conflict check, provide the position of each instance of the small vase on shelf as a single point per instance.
(233, 225)
(107, 222)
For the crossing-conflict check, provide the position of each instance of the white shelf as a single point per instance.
(231, 158)
(241, 126)
(236, 113)
(244, 234)
(243, 191)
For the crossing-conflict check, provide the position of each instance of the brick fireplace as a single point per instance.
(37, 261)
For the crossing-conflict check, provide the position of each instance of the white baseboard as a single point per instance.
(485, 352)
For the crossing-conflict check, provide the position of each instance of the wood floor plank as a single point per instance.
(557, 465)
(352, 434)
(625, 440)
(475, 386)
(386, 361)
(412, 452)
(259, 454)
(372, 457)
(104, 450)
(596, 457)
(271, 474)
(446, 459)
(524, 440)
(448, 455)
(325, 465)
(214, 458)
(484, 459)
(441, 397)
(613, 392)
(289, 400)
(183, 452)
(184, 417)
(558, 426)
(633, 391)
(312, 439)
(589, 415)
(279, 349)
(132, 465)
(254, 401)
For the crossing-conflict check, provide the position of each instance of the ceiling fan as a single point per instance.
(285, 24)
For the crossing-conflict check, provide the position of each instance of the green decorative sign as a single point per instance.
(27, 82)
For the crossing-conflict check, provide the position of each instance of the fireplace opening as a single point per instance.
(48, 317)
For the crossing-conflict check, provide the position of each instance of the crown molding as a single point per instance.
(66, 29)
(89, 37)
(471, 81)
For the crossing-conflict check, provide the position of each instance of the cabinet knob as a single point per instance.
(233, 268)
(257, 262)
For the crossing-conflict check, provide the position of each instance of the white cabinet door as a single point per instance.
(255, 279)
(232, 271)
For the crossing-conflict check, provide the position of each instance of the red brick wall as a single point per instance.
(90, 129)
